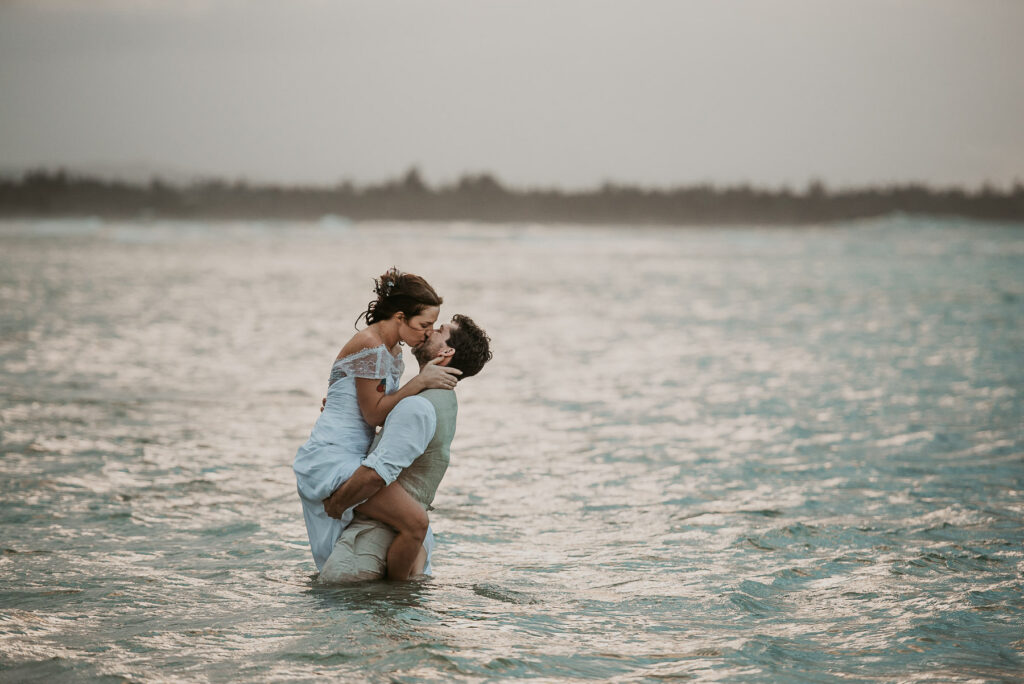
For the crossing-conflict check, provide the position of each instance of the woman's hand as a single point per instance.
(434, 376)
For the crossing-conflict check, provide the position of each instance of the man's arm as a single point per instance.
(363, 484)
(407, 432)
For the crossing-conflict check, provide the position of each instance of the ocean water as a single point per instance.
(747, 454)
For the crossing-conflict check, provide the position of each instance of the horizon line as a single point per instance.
(183, 179)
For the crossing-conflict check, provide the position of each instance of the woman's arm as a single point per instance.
(375, 404)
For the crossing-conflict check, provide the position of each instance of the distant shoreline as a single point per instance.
(52, 194)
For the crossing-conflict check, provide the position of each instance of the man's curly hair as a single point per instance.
(471, 344)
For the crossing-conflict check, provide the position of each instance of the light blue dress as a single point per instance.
(339, 442)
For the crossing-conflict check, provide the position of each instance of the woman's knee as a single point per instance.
(415, 524)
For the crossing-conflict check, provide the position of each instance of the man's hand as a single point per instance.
(332, 506)
(363, 484)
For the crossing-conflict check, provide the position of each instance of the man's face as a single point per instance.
(435, 345)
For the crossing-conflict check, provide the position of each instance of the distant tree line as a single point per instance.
(482, 198)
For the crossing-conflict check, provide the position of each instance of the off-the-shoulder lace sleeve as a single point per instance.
(374, 363)
(397, 368)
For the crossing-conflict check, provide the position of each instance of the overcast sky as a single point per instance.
(539, 92)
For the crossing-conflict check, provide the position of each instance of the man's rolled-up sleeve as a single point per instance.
(408, 430)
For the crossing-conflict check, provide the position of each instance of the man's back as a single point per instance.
(422, 478)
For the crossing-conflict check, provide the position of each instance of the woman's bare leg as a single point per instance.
(395, 507)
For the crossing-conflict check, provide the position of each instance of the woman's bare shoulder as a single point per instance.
(364, 339)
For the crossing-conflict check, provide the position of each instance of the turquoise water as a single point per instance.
(724, 453)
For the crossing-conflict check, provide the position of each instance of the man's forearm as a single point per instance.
(363, 484)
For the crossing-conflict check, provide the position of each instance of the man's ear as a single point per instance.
(446, 354)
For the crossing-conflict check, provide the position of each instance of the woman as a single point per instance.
(362, 390)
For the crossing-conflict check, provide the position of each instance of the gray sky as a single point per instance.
(566, 92)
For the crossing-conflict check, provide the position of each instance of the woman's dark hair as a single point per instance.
(471, 344)
(397, 291)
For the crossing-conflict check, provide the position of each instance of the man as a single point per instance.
(411, 452)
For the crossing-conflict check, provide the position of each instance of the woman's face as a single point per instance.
(414, 331)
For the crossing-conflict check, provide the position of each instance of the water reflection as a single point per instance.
(710, 453)
(381, 599)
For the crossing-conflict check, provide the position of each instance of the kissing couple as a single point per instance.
(365, 494)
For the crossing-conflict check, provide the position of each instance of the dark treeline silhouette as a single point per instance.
(482, 198)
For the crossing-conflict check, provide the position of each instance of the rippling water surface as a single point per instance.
(721, 453)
